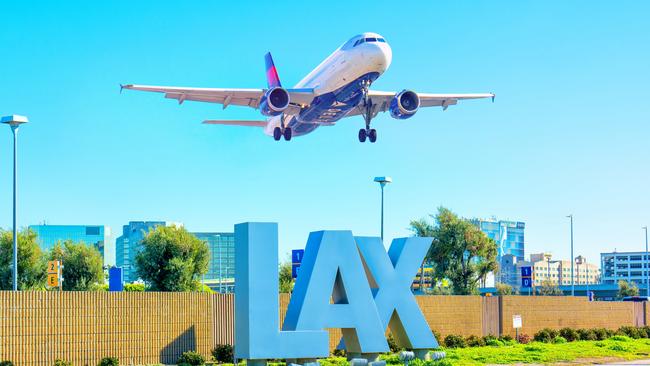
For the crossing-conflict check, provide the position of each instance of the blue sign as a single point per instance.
(527, 276)
(295, 267)
(364, 298)
(296, 255)
(527, 271)
(115, 279)
(526, 282)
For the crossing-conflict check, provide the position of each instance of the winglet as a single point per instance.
(121, 88)
(493, 96)
(272, 78)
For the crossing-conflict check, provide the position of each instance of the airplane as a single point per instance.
(339, 87)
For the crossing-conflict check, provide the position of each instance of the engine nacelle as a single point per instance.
(404, 105)
(274, 101)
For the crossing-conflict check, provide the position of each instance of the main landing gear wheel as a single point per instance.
(287, 134)
(372, 135)
(277, 133)
(362, 135)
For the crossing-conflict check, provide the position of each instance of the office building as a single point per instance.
(221, 268)
(627, 266)
(558, 272)
(508, 235)
(49, 235)
(128, 245)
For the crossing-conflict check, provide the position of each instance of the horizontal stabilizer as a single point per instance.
(236, 123)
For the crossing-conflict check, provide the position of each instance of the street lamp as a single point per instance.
(573, 289)
(647, 270)
(382, 183)
(14, 121)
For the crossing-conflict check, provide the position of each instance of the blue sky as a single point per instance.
(567, 134)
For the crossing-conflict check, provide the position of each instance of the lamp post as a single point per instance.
(573, 289)
(647, 270)
(14, 121)
(382, 183)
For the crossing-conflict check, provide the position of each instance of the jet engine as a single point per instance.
(274, 101)
(404, 105)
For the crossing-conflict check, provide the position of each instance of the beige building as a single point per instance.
(559, 271)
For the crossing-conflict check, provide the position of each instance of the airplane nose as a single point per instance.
(382, 55)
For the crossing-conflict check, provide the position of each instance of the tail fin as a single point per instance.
(272, 77)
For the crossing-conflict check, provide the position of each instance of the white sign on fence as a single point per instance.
(516, 321)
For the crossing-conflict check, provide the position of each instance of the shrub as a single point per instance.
(645, 330)
(506, 338)
(454, 341)
(6, 363)
(337, 352)
(109, 361)
(191, 358)
(546, 335)
(569, 334)
(60, 362)
(493, 342)
(523, 338)
(222, 353)
(587, 334)
(602, 333)
(632, 332)
(559, 340)
(474, 341)
(392, 344)
(620, 338)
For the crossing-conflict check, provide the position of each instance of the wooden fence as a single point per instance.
(37, 328)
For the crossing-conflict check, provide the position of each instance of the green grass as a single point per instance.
(545, 353)
(619, 347)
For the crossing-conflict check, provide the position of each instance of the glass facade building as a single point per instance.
(221, 268)
(128, 245)
(49, 235)
(509, 236)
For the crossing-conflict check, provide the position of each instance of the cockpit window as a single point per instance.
(371, 39)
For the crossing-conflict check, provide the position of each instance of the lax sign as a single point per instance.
(345, 282)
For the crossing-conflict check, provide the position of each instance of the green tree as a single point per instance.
(172, 259)
(82, 266)
(627, 289)
(503, 289)
(31, 261)
(460, 251)
(286, 280)
(549, 288)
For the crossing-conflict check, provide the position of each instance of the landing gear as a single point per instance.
(372, 136)
(368, 113)
(277, 133)
(287, 134)
(282, 131)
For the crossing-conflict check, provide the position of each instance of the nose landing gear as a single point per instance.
(369, 133)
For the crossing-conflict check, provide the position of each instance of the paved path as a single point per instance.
(637, 362)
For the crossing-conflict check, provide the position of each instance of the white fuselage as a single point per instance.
(338, 73)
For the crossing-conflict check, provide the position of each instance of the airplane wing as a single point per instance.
(381, 100)
(236, 123)
(225, 97)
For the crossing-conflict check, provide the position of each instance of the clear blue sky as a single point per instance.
(568, 132)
